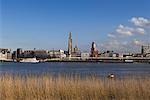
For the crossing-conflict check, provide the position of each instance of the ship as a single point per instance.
(29, 60)
(129, 61)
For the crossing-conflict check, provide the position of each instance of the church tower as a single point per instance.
(70, 44)
(94, 51)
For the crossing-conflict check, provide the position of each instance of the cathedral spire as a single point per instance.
(70, 44)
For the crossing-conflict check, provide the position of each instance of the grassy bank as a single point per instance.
(46, 87)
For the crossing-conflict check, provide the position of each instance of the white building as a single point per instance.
(85, 55)
(57, 54)
(5, 54)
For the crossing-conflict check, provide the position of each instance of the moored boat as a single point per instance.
(129, 61)
(29, 60)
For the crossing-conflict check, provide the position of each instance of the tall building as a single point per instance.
(94, 51)
(19, 52)
(70, 44)
(145, 50)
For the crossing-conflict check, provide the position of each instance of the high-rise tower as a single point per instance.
(94, 52)
(70, 44)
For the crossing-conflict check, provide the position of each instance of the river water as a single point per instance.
(80, 68)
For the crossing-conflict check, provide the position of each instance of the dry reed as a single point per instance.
(47, 87)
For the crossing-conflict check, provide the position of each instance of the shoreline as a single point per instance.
(84, 61)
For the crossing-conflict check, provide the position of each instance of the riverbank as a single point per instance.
(86, 61)
(46, 87)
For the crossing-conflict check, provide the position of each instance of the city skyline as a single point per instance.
(112, 25)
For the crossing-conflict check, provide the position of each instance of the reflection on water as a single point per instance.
(74, 68)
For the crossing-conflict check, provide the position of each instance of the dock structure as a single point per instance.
(105, 59)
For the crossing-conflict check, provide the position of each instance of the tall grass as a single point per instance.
(47, 87)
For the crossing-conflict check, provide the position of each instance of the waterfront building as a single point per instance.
(85, 55)
(145, 50)
(76, 52)
(137, 55)
(70, 45)
(40, 54)
(109, 54)
(19, 52)
(104, 54)
(94, 51)
(148, 55)
(56, 54)
(128, 55)
(115, 55)
(14, 55)
(75, 49)
(5, 54)
(28, 54)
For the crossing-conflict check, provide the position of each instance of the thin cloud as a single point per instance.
(140, 30)
(129, 39)
(117, 46)
(140, 21)
(128, 31)
(111, 35)
(124, 30)
(137, 42)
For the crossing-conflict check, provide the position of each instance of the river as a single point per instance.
(80, 68)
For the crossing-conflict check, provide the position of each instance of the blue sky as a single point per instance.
(45, 24)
